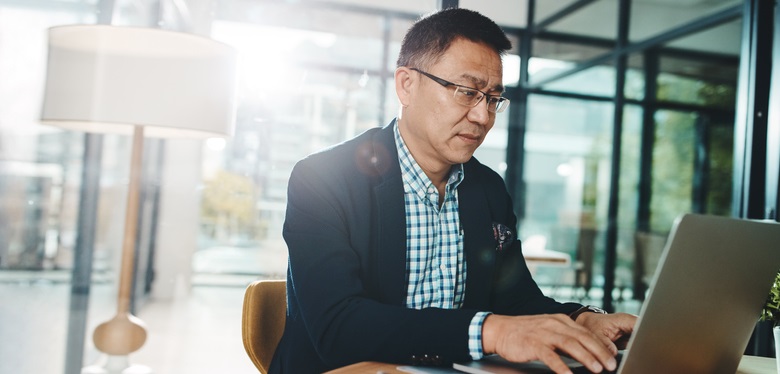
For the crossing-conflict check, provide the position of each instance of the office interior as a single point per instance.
(624, 114)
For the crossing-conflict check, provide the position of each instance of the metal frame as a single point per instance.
(696, 26)
(518, 117)
(384, 74)
(701, 163)
(750, 151)
(621, 49)
(561, 14)
(773, 132)
(89, 195)
(446, 4)
(755, 182)
(81, 275)
(621, 62)
(650, 105)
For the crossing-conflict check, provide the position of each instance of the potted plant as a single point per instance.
(771, 313)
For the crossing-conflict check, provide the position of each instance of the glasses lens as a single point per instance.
(497, 104)
(467, 96)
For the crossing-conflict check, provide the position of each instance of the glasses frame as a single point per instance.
(501, 104)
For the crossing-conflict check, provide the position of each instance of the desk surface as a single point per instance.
(546, 257)
(749, 365)
(757, 365)
(535, 252)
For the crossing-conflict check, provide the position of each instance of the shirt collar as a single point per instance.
(414, 177)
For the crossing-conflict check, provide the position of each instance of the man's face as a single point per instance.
(439, 131)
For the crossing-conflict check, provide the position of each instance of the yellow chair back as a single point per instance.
(263, 319)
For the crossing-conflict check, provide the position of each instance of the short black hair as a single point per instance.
(431, 35)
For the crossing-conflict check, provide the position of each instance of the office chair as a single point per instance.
(263, 319)
(648, 247)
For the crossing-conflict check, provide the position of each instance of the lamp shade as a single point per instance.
(107, 79)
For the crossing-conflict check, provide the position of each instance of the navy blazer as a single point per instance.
(346, 280)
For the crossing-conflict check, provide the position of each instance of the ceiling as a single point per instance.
(598, 19)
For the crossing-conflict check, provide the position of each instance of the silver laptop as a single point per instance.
(704, 300)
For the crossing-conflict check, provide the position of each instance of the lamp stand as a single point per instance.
(125, 333)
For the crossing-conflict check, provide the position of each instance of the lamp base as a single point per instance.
(116, 365)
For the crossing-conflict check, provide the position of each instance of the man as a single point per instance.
(401, 244)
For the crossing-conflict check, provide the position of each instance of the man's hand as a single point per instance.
(615, 327)
(543, 337)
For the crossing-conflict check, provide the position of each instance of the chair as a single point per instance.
(586, 243)
(581, 238)
(263, 319)
(648, 247)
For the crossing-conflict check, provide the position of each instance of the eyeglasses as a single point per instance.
(470, 97)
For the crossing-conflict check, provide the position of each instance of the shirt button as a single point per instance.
(443, 267)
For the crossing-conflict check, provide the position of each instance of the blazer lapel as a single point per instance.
(478, 242)
(390, 219)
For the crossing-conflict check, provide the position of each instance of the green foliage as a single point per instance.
(228, 207)
(771, 311)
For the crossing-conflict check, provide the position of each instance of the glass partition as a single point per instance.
(567, 167)
(40, 178)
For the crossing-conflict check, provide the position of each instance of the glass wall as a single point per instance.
(567, 164)
(676, 134)
(39, 182)
(327, 80)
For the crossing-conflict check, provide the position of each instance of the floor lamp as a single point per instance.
(144, 82)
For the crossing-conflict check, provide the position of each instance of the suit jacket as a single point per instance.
(346, 281)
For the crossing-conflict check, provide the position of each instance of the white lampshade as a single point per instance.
(107, 79)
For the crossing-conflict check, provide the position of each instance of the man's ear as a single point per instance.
(403, 85)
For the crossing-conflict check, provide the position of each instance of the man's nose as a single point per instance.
(480, 114)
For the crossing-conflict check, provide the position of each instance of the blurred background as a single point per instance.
(624, 114)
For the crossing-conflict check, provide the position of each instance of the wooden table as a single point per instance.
(538, 258)
(748, 365)
(547, 257)
(367, 367)
(536, 253)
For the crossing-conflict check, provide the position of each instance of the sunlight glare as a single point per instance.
(266, 64)
(216, 144)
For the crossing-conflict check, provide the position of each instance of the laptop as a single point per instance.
(703, 303)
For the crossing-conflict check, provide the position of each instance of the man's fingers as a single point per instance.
(554, 362)
(542, 337)
(613, 329)
(608, 343)
(588, 351)
(595, 351)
